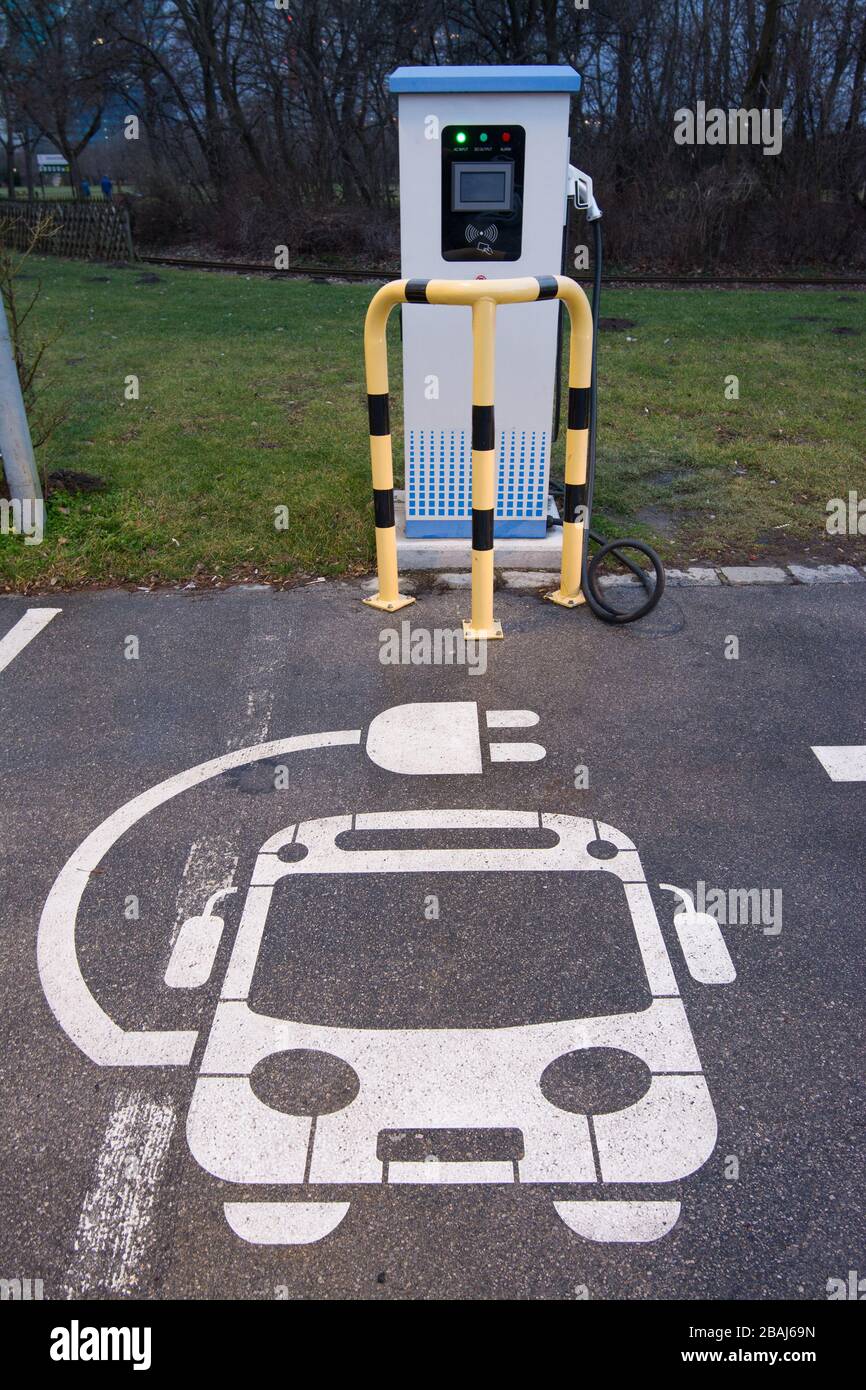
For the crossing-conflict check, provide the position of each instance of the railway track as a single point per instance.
(316, 272)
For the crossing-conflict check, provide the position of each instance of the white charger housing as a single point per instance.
(492, 205)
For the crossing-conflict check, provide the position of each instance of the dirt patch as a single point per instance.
(616, 325)
(69, 480)
(667, 477)
(660, 521)
(776, 548)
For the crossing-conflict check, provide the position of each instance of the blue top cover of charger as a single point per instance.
(530, 78)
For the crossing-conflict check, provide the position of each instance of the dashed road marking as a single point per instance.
(254, 727)
(210, 865)
(114, 1229)
(113, 1232)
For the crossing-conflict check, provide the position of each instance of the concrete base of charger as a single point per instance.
(439, 553)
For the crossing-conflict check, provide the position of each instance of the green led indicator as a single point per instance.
(460, 137)
(483, 138)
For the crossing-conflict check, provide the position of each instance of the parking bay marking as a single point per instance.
(26, 628)
(842, 762)
(113, 1234)
(114, 1228)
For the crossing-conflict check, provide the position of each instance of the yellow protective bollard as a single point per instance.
(569, 595)
(378, 410)
(482, 297)
(482, 623)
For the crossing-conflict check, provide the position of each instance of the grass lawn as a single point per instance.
(252, 398)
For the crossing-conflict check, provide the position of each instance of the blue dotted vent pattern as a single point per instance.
(439, 475)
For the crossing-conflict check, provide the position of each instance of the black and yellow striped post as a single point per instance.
(574, 519)
(483, 297)
(376, 362)
(482, 624)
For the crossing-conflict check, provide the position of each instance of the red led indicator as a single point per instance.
(506, 134)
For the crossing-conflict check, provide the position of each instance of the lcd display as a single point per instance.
(487, 187)
(482, 187)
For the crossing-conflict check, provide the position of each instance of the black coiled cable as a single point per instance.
(600, 606)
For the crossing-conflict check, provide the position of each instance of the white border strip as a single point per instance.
(26, 628)
(843, 763)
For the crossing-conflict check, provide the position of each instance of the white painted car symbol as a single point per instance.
(484, 1084)
(446, 1081)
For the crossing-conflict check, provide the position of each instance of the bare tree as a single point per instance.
(64, 70)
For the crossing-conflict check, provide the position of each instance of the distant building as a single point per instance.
(52, 164)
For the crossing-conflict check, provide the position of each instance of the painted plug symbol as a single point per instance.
(195, 949)
(444, 736)
(701, 942)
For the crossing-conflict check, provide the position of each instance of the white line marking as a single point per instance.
(845, 763)
(650, 940)
(511, 718)
(434, 819)
(516, 752)
(424, 1171)
(284, 1223)
(664, 1136)
(26, 628)
(260, 706)
(114, 1227)
(619, 1221)
(442, 1078)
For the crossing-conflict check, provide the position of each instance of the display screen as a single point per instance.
(482, 187)
(485, 186)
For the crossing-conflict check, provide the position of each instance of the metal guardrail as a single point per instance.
(483, 297)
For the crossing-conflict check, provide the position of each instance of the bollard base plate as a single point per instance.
(388, 605)
(481, 634)
(566, 600)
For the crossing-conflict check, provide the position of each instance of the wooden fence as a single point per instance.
(90, 231)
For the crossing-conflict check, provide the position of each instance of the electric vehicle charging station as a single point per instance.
(484, 172)
(485, 180)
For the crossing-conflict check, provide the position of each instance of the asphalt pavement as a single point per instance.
(444, 1038)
